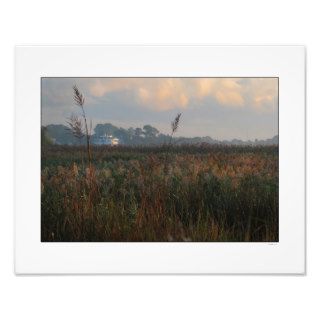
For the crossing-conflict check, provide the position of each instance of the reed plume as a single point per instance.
(78, 129)
(75, 126)
(175, 126)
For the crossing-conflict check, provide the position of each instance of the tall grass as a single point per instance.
(77, 128)
(212, 193)
(174, 129)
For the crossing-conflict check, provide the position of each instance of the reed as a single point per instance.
(213, 193)
(77, 126)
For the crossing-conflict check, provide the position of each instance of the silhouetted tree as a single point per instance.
(138, 132)
(150, 132)
(106, 128)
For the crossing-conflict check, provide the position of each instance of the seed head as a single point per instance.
(75, 126)
(175, 123)
(78, 96)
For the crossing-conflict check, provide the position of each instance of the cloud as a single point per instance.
(164, 94)
(155, 93)
(264, 94)
(102, 86)
(227, 92)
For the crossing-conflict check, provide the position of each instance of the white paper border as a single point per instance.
(285, 257)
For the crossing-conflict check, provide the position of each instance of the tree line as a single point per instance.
(60, 134)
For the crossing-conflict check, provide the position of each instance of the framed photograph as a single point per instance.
(160, 160)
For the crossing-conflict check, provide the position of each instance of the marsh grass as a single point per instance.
(210, 193)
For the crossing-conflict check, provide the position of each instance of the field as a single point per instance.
(181, 193)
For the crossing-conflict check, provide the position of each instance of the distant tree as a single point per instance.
(45, 139)
(130, 133)
(150, 132)
(123, 135)
(163, 138)
(138, 132)
(106, 128)
(61, 134)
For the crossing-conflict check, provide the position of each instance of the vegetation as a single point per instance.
(78, 126)
(147, 191)
(160, 193)
(45, 139)
(148, 135)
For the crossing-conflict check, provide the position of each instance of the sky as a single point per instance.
(222, 108)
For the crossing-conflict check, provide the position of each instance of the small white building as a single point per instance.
(107, 140)
(114, 141)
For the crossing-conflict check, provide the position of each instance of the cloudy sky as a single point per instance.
(223, 108)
